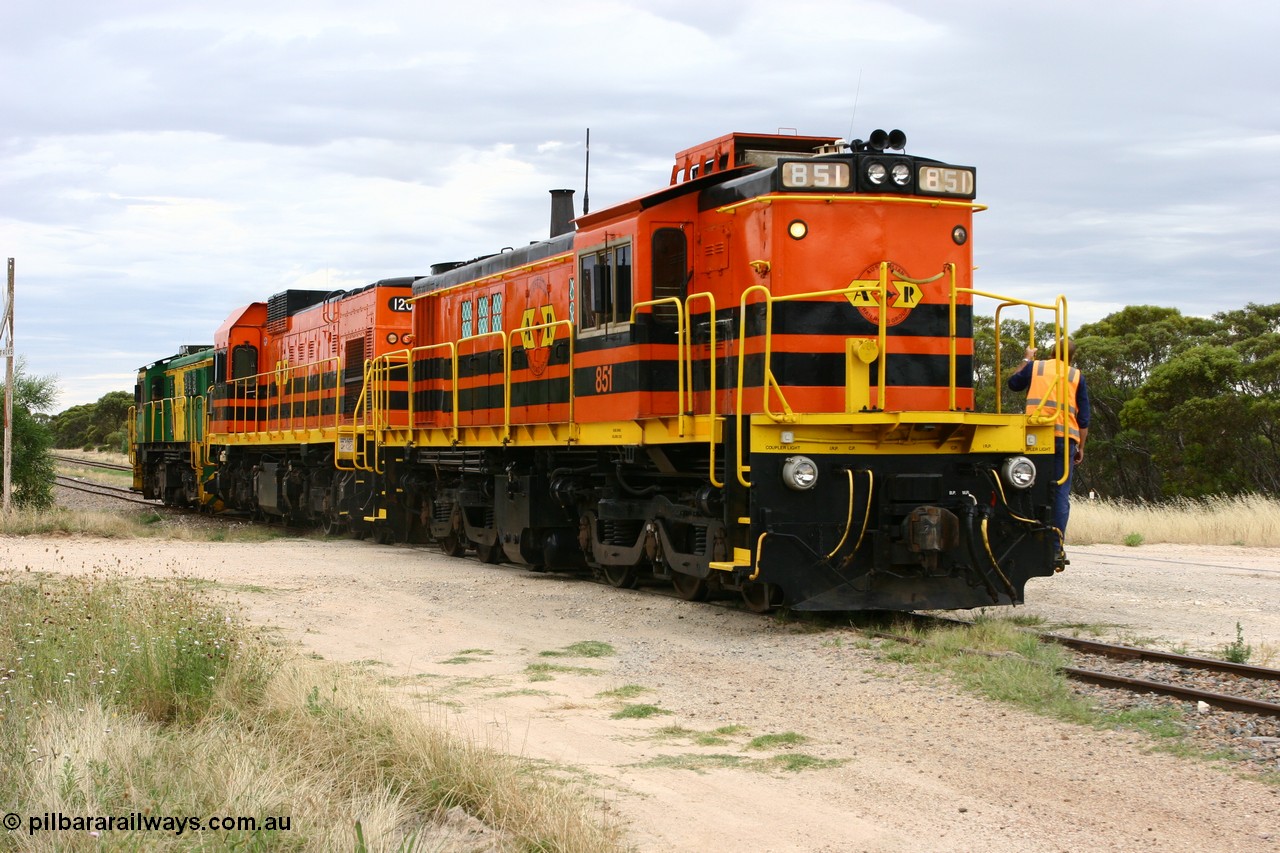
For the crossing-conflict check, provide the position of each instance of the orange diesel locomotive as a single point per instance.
(758, 378)
(289, 393)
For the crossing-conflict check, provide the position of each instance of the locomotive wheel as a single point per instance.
(489, 553)
(761, 597)
(452, 544)
(333, 526)
(690, 588)
(622, 577)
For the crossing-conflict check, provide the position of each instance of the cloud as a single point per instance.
(163, 162)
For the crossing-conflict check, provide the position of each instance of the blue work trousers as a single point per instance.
(1061, 495)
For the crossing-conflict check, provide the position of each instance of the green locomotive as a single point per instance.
(166, 428)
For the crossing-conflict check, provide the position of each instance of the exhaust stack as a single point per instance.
(561, 212)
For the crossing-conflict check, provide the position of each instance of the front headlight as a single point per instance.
(799, 473)
(901, 174)
(876, 173)
(1019, 472)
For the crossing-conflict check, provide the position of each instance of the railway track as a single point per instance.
(102, 490)
(1234, 687)
(1224, 710)
(89, 463)
(1254, 689)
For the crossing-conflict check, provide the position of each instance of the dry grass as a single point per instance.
(130, 523)
(123, 697)
(1252, 520)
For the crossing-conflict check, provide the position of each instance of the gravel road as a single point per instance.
(887, 758)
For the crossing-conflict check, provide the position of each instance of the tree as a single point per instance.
(93, 424)
(1117, 355)
(33, 472)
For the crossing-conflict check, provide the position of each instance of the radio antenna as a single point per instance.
(586, 180)
(856, 94)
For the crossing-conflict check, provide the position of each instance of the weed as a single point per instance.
(1133, 540)
(1238, 651)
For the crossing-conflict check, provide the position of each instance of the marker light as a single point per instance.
(1018, 472)
(799, 473)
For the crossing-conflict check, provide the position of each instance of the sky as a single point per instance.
(162, 163)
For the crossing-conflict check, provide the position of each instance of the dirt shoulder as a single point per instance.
(893, 760)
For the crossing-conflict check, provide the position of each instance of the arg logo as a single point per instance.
(899, 298)
(536, 330)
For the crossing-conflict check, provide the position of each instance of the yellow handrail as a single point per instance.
(713, 391)
(453, 384)
(681, 355)
(1059, 309)
(506, 386)
(132, 431)
(505, 349)
(768, 380)
(850, 199)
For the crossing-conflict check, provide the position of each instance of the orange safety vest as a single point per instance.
(1042, 396)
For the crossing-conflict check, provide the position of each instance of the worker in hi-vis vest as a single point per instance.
(1039, 378)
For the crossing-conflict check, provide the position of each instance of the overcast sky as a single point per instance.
(164, 162)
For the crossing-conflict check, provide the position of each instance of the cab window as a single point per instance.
(669, 268)
(244, 361)
(605, 286)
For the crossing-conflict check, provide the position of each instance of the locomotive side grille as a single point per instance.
(287, 303)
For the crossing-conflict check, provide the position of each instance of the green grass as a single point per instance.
(795, 762)
(775, 741)
(719, 737)
(638, 712)
(626, 691)
(695, 763)
(544, 671)
(791, 763)
(584, 649)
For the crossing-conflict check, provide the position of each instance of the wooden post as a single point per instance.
(6, 349)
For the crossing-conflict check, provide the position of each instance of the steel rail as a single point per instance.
(1221, 700)
(102, 490)
(1134, 653)
(88, 463)
(1225, 701)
